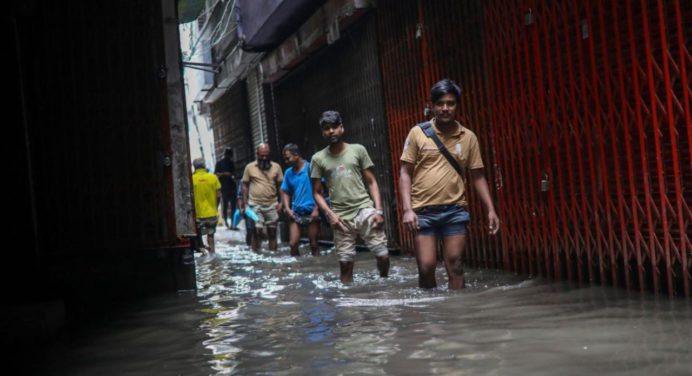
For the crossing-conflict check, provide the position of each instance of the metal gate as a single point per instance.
(583, 112)
(258, 118)
(101, 134)
(230, 120)
(343, 77)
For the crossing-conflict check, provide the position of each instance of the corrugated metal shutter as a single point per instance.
(258, 120)
(574, 109)
(101, 173)
(229, 118)
(344, 77)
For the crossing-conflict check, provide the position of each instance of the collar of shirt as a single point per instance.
(460, 129)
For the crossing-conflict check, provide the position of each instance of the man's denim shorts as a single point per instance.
(443, 220)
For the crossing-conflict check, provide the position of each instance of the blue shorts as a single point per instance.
(442, 220)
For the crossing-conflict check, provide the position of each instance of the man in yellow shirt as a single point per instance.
(432, 187)
(206, 189)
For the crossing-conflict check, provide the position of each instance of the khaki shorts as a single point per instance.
(362, 224)
(207, 226)
(266, 214)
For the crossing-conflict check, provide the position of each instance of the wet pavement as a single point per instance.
(271, 314)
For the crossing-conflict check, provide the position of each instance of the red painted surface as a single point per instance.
(592, 95)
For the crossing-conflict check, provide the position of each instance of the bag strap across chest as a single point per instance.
(429, 131)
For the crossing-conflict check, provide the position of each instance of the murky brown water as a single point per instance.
(265, 314)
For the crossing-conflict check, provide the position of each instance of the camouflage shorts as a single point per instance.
(207, 226)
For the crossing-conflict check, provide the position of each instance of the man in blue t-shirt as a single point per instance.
(298, 203)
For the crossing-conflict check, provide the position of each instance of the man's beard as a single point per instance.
(449, 118)
(333, 140)
(264, 164)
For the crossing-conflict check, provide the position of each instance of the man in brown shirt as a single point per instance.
(261, 181)
(432, 191)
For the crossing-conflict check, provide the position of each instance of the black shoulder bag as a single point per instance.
(430, 132)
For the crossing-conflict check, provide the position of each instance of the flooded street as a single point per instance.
(277, 315)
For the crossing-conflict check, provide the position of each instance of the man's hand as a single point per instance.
(410, 220)
(315, 215)
(493, 223)
(290, 213)
(335, 220)
(377, 220)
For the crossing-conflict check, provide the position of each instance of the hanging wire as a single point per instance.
(207, 23)
(226, 31)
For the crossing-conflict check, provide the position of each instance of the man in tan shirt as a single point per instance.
(432, 191)
(261, 181)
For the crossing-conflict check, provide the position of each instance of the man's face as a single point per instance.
(263, 154)
(332, 132)
(445, 109)
(290, 158)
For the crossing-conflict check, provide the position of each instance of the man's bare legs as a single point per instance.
(271, 234)
(249, 237)
(257, 239)
(383, 265)
(313, 231)
(426, 257)
(346, 271)
(210, 242)
(294, 238)
(453, 252)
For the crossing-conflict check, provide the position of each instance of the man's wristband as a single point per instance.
(379, 211)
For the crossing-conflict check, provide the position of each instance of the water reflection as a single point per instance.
(283, 315)
(264, 313)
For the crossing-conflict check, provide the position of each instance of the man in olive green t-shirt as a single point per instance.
(347, 169)
(261, 181)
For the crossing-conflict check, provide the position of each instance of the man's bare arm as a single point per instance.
(480, 184)
(409, 219)
(374, 189)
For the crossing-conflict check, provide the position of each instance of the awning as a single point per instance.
(234, 67)
(264, 24)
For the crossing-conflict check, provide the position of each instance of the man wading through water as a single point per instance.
(296, 193)
(261, 182)
(432, 187)
(345, 167)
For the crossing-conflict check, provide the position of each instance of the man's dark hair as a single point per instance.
(330, 117)
(443, 87)
(199, 163)
(228, 151)
(293, 148)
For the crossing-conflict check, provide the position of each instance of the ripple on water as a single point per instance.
(270, 313)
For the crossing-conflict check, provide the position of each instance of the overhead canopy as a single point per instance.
(264, 24)
(189, 10)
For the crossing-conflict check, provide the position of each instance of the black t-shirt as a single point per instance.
(227, 182)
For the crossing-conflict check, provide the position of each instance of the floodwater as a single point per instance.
(271, 314)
